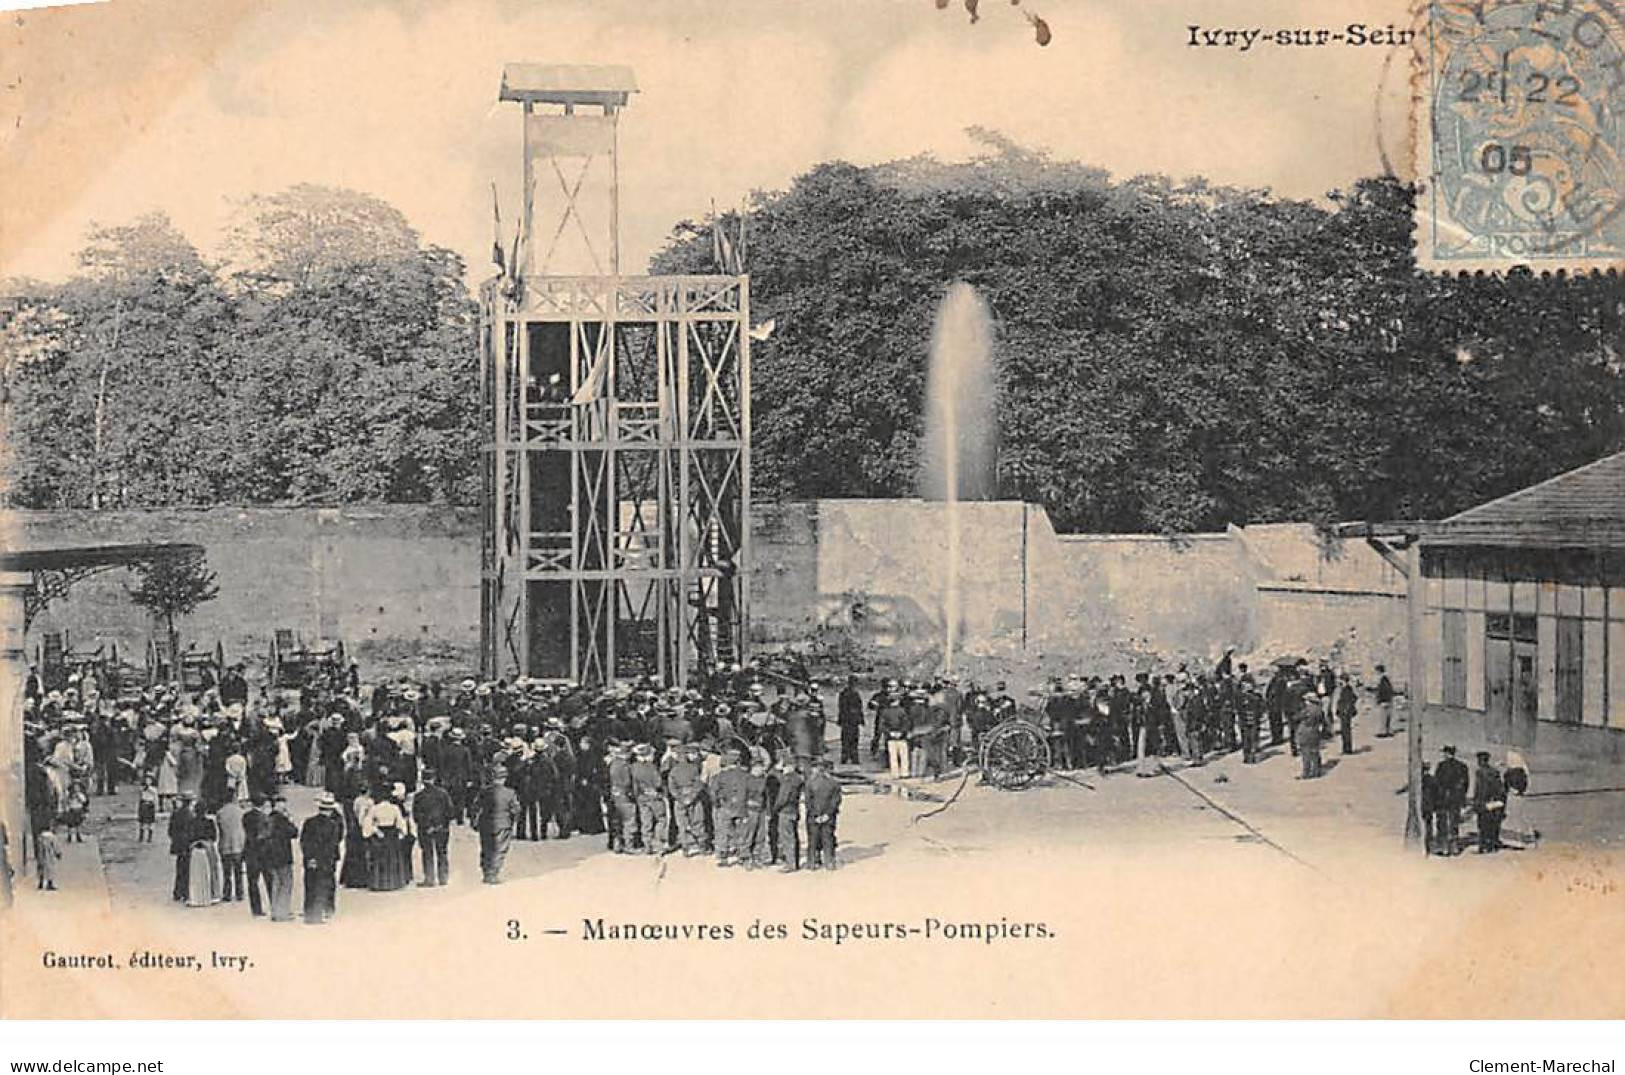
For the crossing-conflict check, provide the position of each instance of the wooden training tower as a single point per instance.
(616, 494)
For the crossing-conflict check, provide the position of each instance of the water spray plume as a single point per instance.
(959, 458)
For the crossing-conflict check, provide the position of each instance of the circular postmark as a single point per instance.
(1526, 129)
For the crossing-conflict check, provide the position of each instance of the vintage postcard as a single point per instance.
(813, 509)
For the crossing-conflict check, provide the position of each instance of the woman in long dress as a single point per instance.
(168, 775)
(355, 872)
(315, 772)
(189, 764)
(284, 754)
(205, 876)
(385, 845)
(1146, 762)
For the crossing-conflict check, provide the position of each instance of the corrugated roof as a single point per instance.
(1582, 506)
(567, 83)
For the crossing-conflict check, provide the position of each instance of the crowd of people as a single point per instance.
(1449, 791)
(1194, 714)
(732, 767)
(1108, 723)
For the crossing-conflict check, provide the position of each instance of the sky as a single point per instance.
(111, 110)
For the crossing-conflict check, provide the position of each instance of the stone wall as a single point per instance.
(1187, 597)
(387, 580)
(857, 580)
(867, 575)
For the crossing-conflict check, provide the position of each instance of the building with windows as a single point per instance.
(1523, 617)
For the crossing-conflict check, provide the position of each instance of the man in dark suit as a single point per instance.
(1451, 779)
(849, 714)
(256, 826)
(823, 795)
(1489, 803)
(432, 811)
(456, 771)
(495, 817)
(319, 841)
(180, 843)
(1275, 705)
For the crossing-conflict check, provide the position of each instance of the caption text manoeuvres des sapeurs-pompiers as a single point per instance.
(815, 929)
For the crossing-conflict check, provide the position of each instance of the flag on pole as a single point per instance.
(496, 232)
(593, 386)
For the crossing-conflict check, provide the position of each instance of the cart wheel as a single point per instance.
(1014, 754)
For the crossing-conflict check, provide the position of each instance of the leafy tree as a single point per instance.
(122, 401)
(172, 586)
(1172, 356)
(335, 363)
(357, 353)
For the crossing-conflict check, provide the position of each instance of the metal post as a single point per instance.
(742, 560)
(527, 214)
(1415, 693)
(614, 189)
(499, 439)
(680, 509)
(527, 525)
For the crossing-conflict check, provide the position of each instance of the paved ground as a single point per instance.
(1218, 890)
(1356, 809)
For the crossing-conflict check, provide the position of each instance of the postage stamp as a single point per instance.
(1518, 135)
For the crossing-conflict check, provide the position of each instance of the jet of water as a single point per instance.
(959, 457)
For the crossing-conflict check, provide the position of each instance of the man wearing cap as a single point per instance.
(1250, 710)
(849, 715)
(893, 720)
(1385, 702)
(878, 702)
(1489, 803)
(496, 816)
(456, 772)
(432, 811)
(319, 841)
(623, 810)
(1347, 706)
(787, 788)
(687, 789)
(256, 823)
(753, 848)
(1451, 779)
(728, 795)
(1307, 734)
(823, 798)
(649, 791)
(277, 852)
(229, 821)
(180, 843)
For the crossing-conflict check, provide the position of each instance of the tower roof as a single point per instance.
(568, 84)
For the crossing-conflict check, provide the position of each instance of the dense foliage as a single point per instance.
(1170, 357)
(332, 361)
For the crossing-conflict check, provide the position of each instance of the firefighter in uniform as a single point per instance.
(728, 793)
(787, 814)
(623, 811)
(687, 790)
(649, 791)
